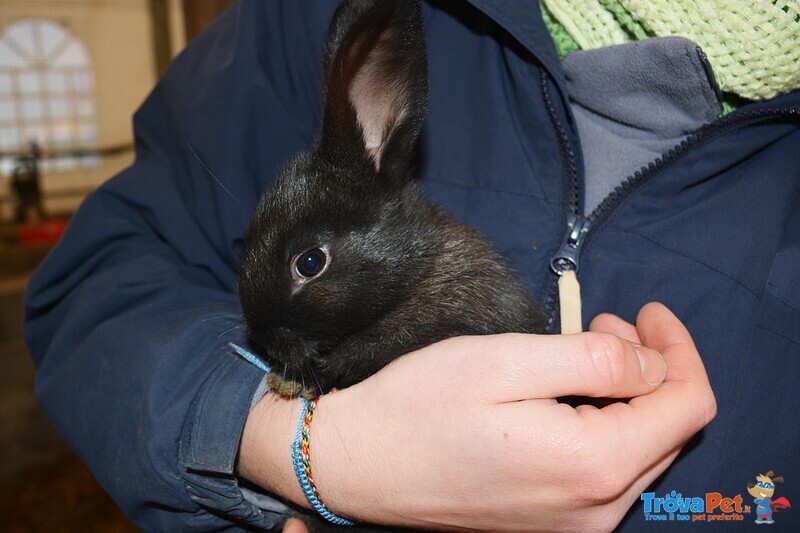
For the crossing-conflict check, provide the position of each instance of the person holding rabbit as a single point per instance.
(441, 425)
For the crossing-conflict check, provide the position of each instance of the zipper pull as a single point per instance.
(565, 264)
(569, 300)
(567, 256)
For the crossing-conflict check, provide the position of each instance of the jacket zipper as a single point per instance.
(568, 254)
(580, 229)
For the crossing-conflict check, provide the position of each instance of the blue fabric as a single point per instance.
(129, 318)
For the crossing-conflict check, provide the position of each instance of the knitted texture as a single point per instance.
(630, 25)
(588, 22)
(561, 37)
(752, 45)
(566, 43)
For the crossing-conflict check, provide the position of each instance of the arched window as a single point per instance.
(46, 94)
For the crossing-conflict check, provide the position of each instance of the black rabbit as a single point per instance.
(346, 266)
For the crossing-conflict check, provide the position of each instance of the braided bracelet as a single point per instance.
(302, 464)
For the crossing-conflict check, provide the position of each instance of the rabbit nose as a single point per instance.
(288, 334)
(293, 345)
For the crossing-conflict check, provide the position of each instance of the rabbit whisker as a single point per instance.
(220, 317)
(314, 377)
(238, 326)
(212, 174)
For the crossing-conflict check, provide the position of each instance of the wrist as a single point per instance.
(337, 460)
(265, 451)
(351, 455)
(347, 456)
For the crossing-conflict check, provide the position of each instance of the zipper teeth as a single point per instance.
(570, 190)
(565, 147)
(707, 132)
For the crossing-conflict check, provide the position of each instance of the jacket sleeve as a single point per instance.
(129, 317)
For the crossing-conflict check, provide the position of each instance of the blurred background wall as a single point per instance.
(121, 56)
(72, 72)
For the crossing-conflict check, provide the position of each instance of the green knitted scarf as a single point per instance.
(753, 45)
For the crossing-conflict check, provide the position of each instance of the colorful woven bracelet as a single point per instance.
(302, 464)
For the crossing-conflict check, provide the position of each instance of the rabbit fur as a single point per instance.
(399, 273)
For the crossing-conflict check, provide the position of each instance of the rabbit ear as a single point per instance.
(376, 85)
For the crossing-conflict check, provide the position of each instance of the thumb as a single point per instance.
(660, 329)
(594, 364)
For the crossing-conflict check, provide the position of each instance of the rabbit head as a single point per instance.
(343, 234)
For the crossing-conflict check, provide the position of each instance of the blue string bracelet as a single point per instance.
(300, 447)
(249, 357)
(302, 464)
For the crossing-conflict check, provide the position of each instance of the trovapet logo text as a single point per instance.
(711, 507)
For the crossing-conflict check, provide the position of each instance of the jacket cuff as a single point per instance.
(210, 442)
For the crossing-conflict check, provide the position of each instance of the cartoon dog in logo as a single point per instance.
(762, 492)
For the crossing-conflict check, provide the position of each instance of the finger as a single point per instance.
(608, 323)
(686, 379)
(586, 364)
(657, 424)
(661, 330)
(295, 525)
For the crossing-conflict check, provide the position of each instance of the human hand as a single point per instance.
(294, 525)
(465, 434)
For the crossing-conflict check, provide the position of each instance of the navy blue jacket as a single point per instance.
(129, 318)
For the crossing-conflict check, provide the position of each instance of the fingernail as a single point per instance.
(654, 369)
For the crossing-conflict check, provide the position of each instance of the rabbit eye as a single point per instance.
(310, 263)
